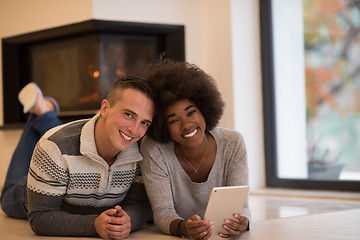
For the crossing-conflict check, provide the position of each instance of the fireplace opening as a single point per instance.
(78, 63)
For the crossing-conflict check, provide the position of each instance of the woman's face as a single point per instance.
(185, 123)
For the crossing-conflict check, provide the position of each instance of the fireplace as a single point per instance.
(78, 63)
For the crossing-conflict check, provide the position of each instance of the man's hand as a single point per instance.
(113, 224)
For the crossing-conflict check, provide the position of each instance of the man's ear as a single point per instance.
(105, 105)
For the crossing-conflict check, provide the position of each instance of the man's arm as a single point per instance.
(136, 204)
(46, 218)
(48, 180)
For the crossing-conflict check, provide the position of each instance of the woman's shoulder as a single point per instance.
(226, 134)
(228, 139)
(146, 140)
(148, 144)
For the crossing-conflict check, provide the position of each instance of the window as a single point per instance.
(311, 92)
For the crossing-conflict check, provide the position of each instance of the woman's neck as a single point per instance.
(198, 161)
(194, 154)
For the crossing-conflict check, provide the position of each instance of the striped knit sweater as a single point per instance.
(69, 184)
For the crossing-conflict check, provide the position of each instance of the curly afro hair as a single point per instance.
(172, 81)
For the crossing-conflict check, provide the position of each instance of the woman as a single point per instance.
(186, 155)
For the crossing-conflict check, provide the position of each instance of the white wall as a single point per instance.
(221, 37)
(248, 116)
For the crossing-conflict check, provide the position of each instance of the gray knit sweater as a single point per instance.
(69, 184)
(172, 193)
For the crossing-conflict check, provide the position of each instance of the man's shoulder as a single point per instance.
(67, 130)
(67, 136)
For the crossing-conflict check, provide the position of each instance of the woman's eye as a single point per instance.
(191, 112)
(172, 121)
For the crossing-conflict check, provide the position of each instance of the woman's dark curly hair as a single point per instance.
(172, 81)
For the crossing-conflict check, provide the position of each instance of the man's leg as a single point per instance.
(43, 116)
(13, 197)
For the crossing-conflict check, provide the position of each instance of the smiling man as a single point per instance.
(82, 179)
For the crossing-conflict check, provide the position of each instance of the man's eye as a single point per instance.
(129, 116)
(146, 124)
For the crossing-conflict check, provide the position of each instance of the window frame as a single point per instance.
(269, 115)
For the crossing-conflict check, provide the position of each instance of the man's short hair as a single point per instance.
(126, 82)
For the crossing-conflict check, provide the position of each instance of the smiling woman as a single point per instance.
(186, 125)
(186, 154)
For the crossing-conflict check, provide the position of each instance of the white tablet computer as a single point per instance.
(223, 203)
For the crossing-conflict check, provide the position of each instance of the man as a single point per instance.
(82, 177)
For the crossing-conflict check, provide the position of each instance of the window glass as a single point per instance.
(316, 49)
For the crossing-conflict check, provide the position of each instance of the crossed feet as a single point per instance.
(33, 101)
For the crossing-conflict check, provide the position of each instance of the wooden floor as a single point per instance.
(277, 214)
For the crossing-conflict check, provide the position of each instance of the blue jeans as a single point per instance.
(13, 196)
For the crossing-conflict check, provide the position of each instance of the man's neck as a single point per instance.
(101, 143)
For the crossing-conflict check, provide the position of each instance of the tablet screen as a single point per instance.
(223, 203)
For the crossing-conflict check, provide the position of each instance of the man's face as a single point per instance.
(128, 119)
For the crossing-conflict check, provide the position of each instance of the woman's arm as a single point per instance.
(158, 185)
(237, 173)
(194, 227)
